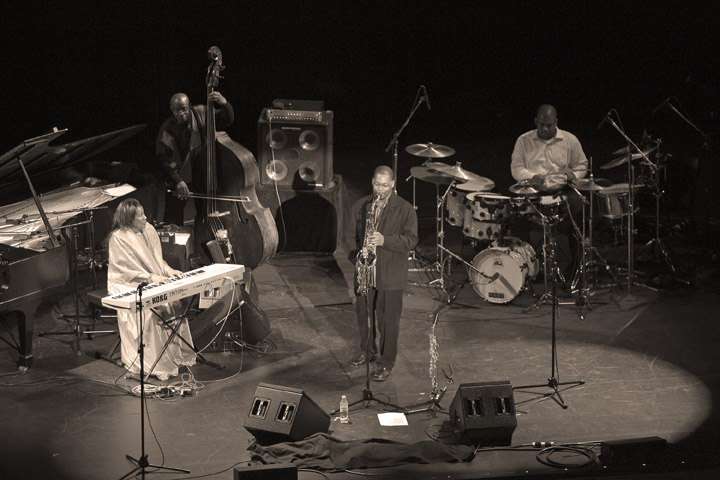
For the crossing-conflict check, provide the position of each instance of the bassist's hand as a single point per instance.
(182, 190)
(217, 98)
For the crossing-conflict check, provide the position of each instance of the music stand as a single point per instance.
(142, 462)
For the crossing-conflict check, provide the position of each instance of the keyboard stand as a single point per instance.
(175, 333)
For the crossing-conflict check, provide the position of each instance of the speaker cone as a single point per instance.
(276, 138)
(309, 172)
(309, 140)
(276, 170)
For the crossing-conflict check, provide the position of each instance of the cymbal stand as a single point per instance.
(553, 382)
(440, 249)
(656, 243)
(414, 257)
(631, 146)
(77, 332)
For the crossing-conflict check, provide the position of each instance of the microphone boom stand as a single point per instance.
(142, 462)
(553, 382)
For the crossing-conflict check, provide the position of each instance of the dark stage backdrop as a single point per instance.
(487, 65)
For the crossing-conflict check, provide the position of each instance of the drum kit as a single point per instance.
(507, 265)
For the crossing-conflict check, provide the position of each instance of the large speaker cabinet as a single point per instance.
(284, 414)
(295, 148)
(484, 413)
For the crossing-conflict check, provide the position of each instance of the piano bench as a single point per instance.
(95, 299)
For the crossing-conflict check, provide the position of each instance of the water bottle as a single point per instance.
(344, 415)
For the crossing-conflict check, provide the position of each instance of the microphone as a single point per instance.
(664, 102)
(425, 97)
(142, 285)
(605, 119)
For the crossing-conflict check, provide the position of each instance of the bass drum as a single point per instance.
(502, 270)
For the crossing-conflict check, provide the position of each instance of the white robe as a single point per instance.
(133, 259)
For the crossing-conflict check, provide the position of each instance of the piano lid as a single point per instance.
(40, 157)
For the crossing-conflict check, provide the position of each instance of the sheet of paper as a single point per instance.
(392, 419)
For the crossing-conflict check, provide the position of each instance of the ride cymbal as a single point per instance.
(429, 150)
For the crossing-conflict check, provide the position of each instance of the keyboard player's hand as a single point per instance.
(175, 274)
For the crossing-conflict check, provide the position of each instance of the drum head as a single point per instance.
(499, 277)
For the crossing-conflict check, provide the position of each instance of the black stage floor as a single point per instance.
(647, 357)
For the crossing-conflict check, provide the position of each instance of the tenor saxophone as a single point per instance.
(366, 257)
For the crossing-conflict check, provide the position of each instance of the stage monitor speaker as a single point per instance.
(275, 471)
(484, 413)
(283, 414)
(295, 148)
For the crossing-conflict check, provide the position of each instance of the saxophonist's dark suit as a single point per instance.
(398, 224)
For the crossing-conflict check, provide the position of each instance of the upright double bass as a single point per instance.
(235, 227)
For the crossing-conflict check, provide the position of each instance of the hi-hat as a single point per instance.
(429, 150)
(524, 188)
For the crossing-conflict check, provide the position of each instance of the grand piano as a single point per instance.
(35, 258)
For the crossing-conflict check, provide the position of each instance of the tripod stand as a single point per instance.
(367, 395)
(553, 382)
(76, 330)
(142, 462)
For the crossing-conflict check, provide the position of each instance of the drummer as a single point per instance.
(549, 158)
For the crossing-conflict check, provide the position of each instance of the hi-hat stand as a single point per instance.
(440, 250)
(553, 382)
(77, 332)
(142, 462)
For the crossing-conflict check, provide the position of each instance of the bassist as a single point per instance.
(180, 150)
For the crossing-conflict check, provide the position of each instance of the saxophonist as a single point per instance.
(386, 225)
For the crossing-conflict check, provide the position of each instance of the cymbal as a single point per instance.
(429, 150)
(616, 162)
(470, 182)
(524, 188)
(431, 175)
(624, 150)
(592, 184)
(455, 171)
(477, 184)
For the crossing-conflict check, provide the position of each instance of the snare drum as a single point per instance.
(455, 207)
(502, 271)
(550, 206)
(523, 206)
(614, 201)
